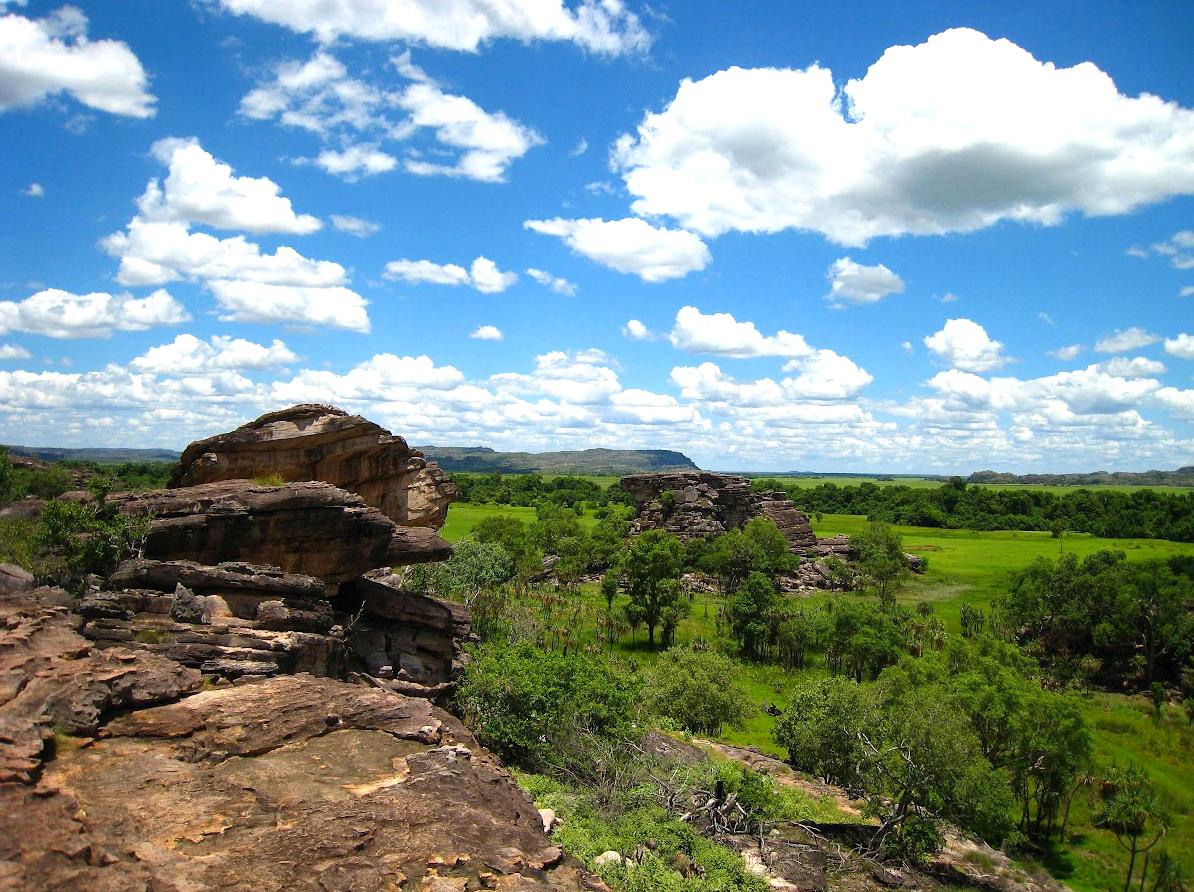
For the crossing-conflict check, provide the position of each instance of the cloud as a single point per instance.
(483, 275)
(1180, 402)
(825, 375)
(13, 351)
(555, 283)
(721, 334)
(582, 146)
(949, 297)
(488, 141)
(332, 307)
(1047, 319)
(964, 345)
(1066, 353)
(636, 331)
(1178, 249)
(1181, 346)
(1187, 291)
(34, 190)
(630, 245)
(42, 57)
(906, 346)
(487, 333)
(1128, 339)
(154, 253)
(320, 96)
(853, 283)
(583, 378)
(355, 225)
(60, 314)
(187, 354)
(354, 162)
(952, 135)
(1136, 367)
(1092, 391)
(605, 27)
(200, 189)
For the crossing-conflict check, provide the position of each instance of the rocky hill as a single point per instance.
(96, 454)
(597, 462)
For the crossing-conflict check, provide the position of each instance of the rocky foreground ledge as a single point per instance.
(122, 769)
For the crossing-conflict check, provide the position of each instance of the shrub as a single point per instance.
(696, 690)
(531, 706)
(88, 537)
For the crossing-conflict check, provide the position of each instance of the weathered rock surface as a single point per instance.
(277, 784)
(706, 504)
(51, 678)
(417, 636)
(14, 579)
(313, 529)
(317, 442)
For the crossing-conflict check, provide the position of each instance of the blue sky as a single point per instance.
(791, 236)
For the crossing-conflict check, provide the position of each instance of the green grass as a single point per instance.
(463, 516)
(1126, 731)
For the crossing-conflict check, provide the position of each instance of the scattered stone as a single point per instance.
(186, 608)
(608, 859)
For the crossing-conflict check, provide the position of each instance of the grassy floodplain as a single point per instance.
(965, 567)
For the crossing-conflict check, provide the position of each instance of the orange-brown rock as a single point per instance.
(284, 783)
(313, 529)
(317, 442)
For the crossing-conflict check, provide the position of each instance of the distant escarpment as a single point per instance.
(1180, 477)
(318, 442)
(596, 462)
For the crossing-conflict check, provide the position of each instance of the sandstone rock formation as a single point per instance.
(418, 637)
(689, 504)
(284, 783)
(316, 442)
(314, 529)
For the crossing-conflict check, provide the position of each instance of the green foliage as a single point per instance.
(531, 490)
(652, 566)
(820, 729)
(862, 638)
(879, 552)
(1131, 809)
(747, 612)
(18, 541)
(92, 537)
(1130, 615)
(526, 704)
(270, 480)
(1139, 513)
(695, 689)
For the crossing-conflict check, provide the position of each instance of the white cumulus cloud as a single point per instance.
(853, 283)
(951, 135)
(200, 189)
(721, 334)
(1181, 346)
(332, 307)
(187, 354)
(600, 26)
(487, 333)
(13, 351)
(60, 314)
(483, 275)
(1136, 367)
(355, 161)
(965, 345)
(34, 190)
(630, 245)
(1066, 353)
(636, 331)
(43, 57)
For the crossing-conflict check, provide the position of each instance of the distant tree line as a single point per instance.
(531, 490)
(1116, 514)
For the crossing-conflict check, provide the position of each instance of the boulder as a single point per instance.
(312, 529)
(275, 784)
(317, 442)
(690, 504)
(14, 579)
(419, 638)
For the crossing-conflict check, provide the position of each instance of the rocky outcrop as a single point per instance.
(691, 504)
(284, 783)
(314, 529)
(405, 635)
(317, 442)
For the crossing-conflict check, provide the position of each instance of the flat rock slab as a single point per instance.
(281, 784)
